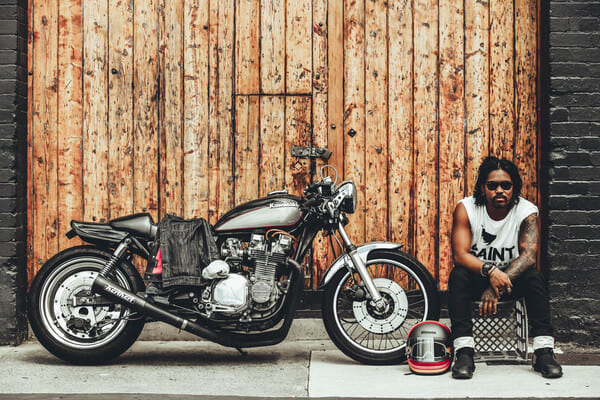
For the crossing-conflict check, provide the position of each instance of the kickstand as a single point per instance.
(242, 352)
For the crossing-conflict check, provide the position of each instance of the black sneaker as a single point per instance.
(547, 364)
(464, 366)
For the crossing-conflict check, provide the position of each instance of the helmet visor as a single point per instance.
(426, 349)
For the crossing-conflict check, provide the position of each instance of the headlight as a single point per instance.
(348, 189)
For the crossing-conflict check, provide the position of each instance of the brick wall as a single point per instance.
(571, 113)
(13, 169)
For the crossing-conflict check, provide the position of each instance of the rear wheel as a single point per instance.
(73, 323)
(374, 336)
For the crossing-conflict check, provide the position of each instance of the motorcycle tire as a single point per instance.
(82, 333)
(366, 334)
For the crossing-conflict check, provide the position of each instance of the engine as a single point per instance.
(255, 288)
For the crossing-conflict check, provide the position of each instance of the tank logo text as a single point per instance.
(283, 204)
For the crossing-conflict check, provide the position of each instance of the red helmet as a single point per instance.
(429, 348)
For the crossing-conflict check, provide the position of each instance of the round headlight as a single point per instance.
(349, 190)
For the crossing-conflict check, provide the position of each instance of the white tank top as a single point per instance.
(496, 241)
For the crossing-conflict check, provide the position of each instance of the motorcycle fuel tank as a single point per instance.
(279, 211)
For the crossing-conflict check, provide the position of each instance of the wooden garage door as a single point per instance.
(191, 106)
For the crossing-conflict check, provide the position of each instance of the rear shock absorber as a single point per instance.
(115, 258)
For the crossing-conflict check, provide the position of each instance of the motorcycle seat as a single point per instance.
(140, 224)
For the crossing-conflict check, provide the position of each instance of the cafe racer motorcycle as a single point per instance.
(88, 304)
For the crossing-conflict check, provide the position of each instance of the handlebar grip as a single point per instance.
(312, 202)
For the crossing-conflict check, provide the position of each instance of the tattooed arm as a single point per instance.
(528, 247)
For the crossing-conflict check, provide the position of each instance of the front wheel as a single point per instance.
(374, 336)
(73, 323)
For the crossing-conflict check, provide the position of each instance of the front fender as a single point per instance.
(363, 252)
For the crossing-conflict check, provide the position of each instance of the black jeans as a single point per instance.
(465, 286)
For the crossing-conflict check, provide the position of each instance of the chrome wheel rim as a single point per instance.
(74, 325)
(385, 332)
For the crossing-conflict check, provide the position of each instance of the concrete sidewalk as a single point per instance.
(295, 368)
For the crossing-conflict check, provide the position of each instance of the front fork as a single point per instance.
(361, 268)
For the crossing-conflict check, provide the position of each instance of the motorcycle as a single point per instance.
(88, 304)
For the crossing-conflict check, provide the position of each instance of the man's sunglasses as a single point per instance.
(493, 185)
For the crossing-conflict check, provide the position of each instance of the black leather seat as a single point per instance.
(139, 224)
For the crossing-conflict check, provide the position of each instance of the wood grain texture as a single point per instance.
(145, 106)
(400, 147)
(477, 118)
(70, 117)
(335, 84)
(353, 130)
(376, 121)
(120, 108)
(44, 121)
(95, 111)
(247, 47)
(225, 107)
(526, 86)
(272, 46)
(247, 131)
(502, 93)
(426, 132)
(297, 133)
(195, 123)
(298, 47)
(451, 126)
(272, 144)
(171, 132)
(322, 256)
(213, 111)
(30, 136)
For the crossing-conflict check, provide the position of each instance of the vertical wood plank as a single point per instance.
(426, 132)
(247, 111)
(451, 125)
(171, 29)
(335, 84)
(298, 47)
(120, 113)
(476, 88)
(376, 103)
(70, 115)
(195, 144)
(30, 135)
(225, 106)
(501, 79)
(213, 111)
(297, 133)
(247, 47)
(95, 111)
(272, 144)
(400, 169)
(353, 131)
(44, 121)
(145, 105)
(272, 46)
(322, 257)
(220, 99)
(526, 80)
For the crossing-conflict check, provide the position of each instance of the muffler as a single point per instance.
(111, 290)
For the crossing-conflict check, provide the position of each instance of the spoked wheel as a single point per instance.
(72, 322)
(378, 336)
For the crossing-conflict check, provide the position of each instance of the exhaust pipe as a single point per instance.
(123, 296)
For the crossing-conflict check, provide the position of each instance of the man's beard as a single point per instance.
(507, 202)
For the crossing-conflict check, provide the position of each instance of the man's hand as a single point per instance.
(489, 302)
(500, 282)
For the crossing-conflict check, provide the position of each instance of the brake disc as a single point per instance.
(391, 317)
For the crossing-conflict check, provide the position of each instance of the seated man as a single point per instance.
(494, 246)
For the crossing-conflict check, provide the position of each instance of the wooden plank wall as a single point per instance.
(191, 106)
